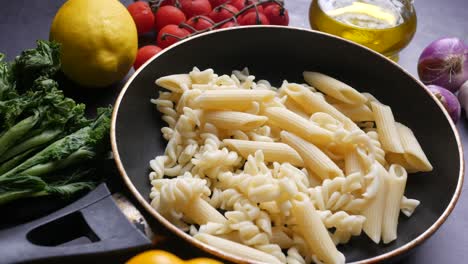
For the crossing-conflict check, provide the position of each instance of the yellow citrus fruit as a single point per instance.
(155, 257)
(98, 40)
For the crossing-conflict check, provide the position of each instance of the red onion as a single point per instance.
(445, 63)
(463, 97)
(448, 100)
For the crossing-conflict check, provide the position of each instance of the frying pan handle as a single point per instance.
(92, 225)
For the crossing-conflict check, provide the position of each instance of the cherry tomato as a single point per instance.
(142, 15)
(215, 3)
(239, 4)
(168, 15)
(252, 9)
(277, 15)
(200, 22)
(170, 34)
(193, 8)
(144, 54)
(221, 13)
(167, 2)
(228, 24)
(253, 18)
(265, 5)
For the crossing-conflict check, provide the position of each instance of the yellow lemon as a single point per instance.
(98, 40)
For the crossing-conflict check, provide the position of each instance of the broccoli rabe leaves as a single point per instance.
(47, 145)
(43, 61)
(7, 88)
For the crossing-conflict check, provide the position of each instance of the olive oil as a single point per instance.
(385, 26)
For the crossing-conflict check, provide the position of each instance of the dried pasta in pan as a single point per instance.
(334, 88)
(413, 152)
(386, 128)
(232, 99)
(234, 120)
(177, 83)
(396, 183)
(272, 151)
(374, 213)
(314, 159)
(289, 121)
(280, 175)
(312, 103)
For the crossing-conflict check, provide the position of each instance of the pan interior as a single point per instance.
(276, 54)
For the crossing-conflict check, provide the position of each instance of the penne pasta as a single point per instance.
(279, 237)
(396, 183)
(239, 99)
(202, 77)
(375, 211)
(236, 249)
(290, 121)
(314, 231)
(357, 113)
(296, 108)
(314, 159)
(413, 152)
(177, 83)
(399, 158)
(272, 151)
(280, 175)
(408, 206)
(201, 212)
(388, 133)
(234, 120)
(334, 88)
(313, 103)
(352, 163)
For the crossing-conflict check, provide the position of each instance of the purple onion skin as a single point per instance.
(445, 63)
(448, 100)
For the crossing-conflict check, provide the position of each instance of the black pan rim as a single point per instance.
(398, 251)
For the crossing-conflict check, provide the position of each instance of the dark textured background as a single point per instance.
(24, 21)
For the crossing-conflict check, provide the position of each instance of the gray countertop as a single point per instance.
(24, 21)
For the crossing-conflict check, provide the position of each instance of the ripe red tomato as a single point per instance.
(265, 5)
(193, 8)
(228, 24)
(215, 3)
(170, 34)
(168, 15)
(144, 54)
(221, 13)
(167, 2)
(253, 18)
(252, 9)
(200, 22)
(277, 15)
(142, 15)
(239, 4)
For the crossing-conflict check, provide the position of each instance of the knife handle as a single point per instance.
(90, 226)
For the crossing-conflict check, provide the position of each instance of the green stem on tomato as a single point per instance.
(205, 18)
(185, 25)
(234, 17)
(165, 35)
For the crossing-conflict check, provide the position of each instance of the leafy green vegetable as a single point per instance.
(84, 144)
(43, 61)
(6, 85)
(47, 145)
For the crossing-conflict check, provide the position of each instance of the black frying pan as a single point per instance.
(275, 54)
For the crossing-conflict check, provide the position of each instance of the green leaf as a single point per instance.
(6, 80)
(42, 61)
(70, 189)
(81, 145)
